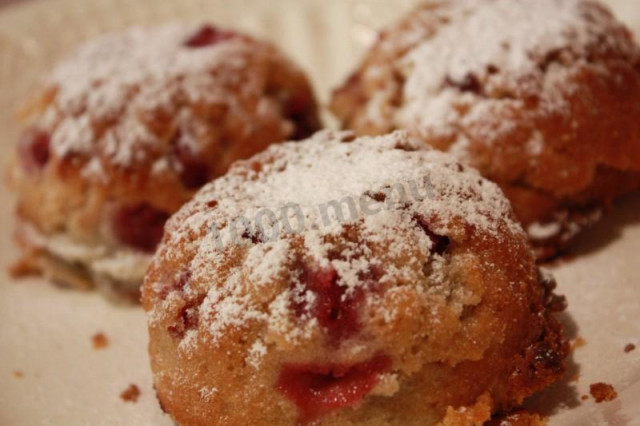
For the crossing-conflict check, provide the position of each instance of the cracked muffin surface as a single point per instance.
(541, 97)
(127, 128)
(344, 281)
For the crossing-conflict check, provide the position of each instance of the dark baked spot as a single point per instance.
(469, 83)
(378, 196)
(629, 348)
(554, 302)
(255, 237)
(439, 243)
(547, 356)
(492, 69)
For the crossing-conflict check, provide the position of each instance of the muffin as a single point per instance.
(344, 281)
(125, 130)
(540, 96)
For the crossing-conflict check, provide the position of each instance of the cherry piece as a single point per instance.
(140, 226)
(318, 389)
(207, 35)
(34, 149)
(332, 307)
(440, 243)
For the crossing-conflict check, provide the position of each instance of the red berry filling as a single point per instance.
(140, 226)
(34, 149)
(207, 35)
(319, 389)
(334, 309)
(439, 243)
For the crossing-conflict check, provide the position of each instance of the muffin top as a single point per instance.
(156, 99)
(370, 207)
(502, 50)
(349, 281)
(507, 86)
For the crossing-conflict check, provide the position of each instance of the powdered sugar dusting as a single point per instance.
(114, 91)
(467, 61)
(315, 176)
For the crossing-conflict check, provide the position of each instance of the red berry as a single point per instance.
(34, 149)
(334, 309)
(140, 226)
(319, 389)
(207, 35)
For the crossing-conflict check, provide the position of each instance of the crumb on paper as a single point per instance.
(579, 342)
(22, 268)
(584, 397)
(603, 392)
(630, 347)
(130, 394)
(18, 374)
(100, 341)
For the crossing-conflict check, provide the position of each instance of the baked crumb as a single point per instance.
(579, 342)
(130, 394)
(478, 413)
(100, 341)
(629, 348)
(602, 392)
(584, 397)
(22, 268)
(18, 374)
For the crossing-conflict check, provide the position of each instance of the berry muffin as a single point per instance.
(540, 96)
(128, 128)
(343, 281)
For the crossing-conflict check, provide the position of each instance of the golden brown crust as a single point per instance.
(560, 138)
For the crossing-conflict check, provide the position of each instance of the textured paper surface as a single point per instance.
(45, 332)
